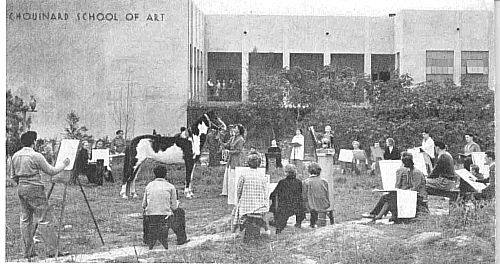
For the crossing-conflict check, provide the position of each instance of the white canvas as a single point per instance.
(470, 179)
(345, 155)
(233, 182)
(68, 149)
(388, 170)
(100, 154)
(418, 160)
(407, 203)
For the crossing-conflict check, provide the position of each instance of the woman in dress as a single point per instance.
(234, 148)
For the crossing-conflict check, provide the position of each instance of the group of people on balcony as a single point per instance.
(216, 88)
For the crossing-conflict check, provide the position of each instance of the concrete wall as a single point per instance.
(298, 34)
(87, 66)
(417, 31)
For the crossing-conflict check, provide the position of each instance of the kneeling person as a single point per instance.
(161, 211)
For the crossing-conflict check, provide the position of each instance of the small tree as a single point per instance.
(16, 121)
(74, 130)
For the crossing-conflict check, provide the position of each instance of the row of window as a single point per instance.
(473, 67)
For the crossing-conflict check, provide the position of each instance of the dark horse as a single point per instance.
(168, 150)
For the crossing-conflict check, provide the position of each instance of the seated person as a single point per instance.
(162, 211)
(443, 177)
(316, 195)
(82, 166)
(479, 177)
(391, 151)
(273, 152)
(252, 201)
(407, 178)
(108, 176)
(488, 193)
(287, 199)
(474, 170)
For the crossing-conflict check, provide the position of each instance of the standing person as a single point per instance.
(210, 87)
(251, 195)
(407, 178)
(442, 177)
(315, 194)
(234, 148)
(428, 149)
(213, 143)
(118, 143)
(162, 211)
(360, 161)
(27, 165)
(488, 193)
(391, 152)
(469, 147)
(287, 199)
(297, 154)
(377, 154)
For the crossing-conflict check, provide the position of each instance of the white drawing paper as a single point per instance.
(68, 149)
(388, 170)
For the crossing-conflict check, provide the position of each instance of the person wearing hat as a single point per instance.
(469, 147)
(118, 143)
(27, 166)
(251, 198)
(442, 177)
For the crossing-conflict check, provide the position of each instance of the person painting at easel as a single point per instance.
(27, 165)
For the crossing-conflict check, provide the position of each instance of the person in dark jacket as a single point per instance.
(391, 151)
(287, 199)
(442, 177)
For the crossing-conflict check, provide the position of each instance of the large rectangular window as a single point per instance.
(262, 65)
(224, 76)
(474, 67)
(382, 66)
(439, 66)
(353, 61)
(308, 61)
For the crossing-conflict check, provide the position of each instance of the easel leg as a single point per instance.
(60, 218)
(90, 210)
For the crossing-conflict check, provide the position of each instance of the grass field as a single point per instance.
(340, 243)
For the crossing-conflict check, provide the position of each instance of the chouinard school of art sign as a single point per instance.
(85, 16)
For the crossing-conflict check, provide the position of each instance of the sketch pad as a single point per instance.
(469, 178)
(346, 155)
(100, 154)
(388, 170)
(68, 149)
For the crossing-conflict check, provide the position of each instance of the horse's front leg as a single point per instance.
(188, 191)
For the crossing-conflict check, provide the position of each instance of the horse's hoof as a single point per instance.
(125, 197)
(135, 195)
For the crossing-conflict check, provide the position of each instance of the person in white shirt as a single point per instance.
(161, 211)
(297, 154)
(428, 148)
